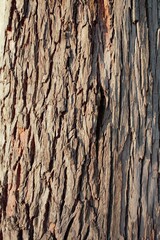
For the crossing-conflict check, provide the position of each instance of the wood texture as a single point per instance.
(79, 120)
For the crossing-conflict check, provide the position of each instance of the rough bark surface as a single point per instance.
(79, 120)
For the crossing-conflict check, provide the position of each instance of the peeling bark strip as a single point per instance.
(79, 121)
(106, 17)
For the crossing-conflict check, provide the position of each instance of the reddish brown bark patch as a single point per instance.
(52, 228)
(106, 18)
(11, 203)
(18, 176)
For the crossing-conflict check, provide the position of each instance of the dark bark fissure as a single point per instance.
(18, 179)
(46, 215)
(1, 235)
(80, 180)
(100, 115)
(111, 181)
(53, 237)
(81, 221)
(20, 235)
(25, 83)
(20, 21)
(26, 8)
(127, 204)
(36, 53)
(4, 195)
(147, 13)
(158, 183)
(64, 192)
(68, 229)
(50, 74)
(12, 11)
(140, 201)
(158, 12)
(32, 151)
(75, 17)
(87, 233)
(54, 143)
(149, 35)
(29, 223)
(13, 107)
(120, 80)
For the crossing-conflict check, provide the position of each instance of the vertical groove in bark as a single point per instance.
(79, 122)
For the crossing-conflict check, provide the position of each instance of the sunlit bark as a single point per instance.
(79, 128)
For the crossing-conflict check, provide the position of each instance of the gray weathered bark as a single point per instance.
(79, 121)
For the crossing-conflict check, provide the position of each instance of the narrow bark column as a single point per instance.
(51, 120)
(135, 89)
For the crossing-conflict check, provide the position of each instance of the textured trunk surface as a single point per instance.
(79, 120)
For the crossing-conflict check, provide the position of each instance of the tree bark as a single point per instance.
(79, 120)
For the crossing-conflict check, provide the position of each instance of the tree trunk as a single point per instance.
(79, 120)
